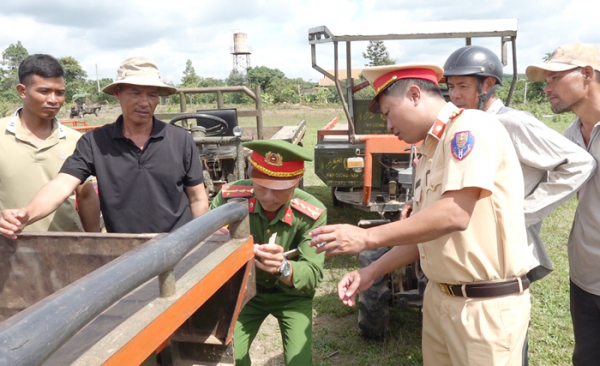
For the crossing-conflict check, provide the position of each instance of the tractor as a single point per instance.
(219, 136)
(369, 169)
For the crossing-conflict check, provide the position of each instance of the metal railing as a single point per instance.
(31, 339)
(506, 29)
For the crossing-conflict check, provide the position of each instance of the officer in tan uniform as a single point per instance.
(466, 226)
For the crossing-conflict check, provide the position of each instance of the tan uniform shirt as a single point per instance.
(25, 168)
(473, 150)
(553, 167)
(584, 241)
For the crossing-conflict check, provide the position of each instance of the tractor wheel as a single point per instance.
(374, 303)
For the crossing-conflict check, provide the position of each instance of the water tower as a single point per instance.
(241, 52)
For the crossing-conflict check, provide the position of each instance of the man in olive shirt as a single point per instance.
(281, 218)
(34, 145)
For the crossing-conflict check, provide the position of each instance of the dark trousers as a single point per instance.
(585, 312)
(526, 349)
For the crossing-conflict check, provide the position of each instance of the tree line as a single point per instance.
(275, 86)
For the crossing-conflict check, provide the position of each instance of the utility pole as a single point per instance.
(97, 79)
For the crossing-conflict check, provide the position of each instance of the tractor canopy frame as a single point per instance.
(506, 29)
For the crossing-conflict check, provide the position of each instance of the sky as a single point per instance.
(104, 33)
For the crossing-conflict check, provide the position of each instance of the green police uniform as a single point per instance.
(292, 306)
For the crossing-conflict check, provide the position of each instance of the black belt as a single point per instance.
(489, 289)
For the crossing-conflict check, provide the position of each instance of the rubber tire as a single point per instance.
(374, 303)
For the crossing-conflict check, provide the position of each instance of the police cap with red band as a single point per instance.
(276, 164)
(381, 77)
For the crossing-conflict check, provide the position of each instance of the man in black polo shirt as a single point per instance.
(149, 173)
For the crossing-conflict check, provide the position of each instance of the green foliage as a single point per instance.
(535, 90)
(9, 73)
(75, 77)
(377, 54)
(282, 91)
(262, 75)
(190, 78)
(321, 96)
(13, 55)
(365, 93)
(236, 78)
(10, 96)
(5, 107)
(73, 70)
(286, 90)
(267, 98)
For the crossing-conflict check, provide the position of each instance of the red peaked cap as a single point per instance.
(276, 164)
(382, 77)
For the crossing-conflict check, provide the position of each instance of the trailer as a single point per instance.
(127, 299)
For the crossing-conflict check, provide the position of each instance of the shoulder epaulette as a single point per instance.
(438, 128)
(440, 125)
(251, 205)
(236, 191)
(306, 208)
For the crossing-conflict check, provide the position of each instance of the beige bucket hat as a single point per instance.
(564, 58)
(140, 71)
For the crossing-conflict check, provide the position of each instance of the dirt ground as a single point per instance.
(267, 348)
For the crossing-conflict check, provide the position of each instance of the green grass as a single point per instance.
(336, 336)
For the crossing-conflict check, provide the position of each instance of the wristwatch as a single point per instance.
(285, 269)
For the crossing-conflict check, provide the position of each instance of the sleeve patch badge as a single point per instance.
(462, 144)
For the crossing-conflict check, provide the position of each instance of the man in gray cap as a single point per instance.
(149, 173)
(572, 75)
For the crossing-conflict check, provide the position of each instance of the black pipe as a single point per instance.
(32, 339)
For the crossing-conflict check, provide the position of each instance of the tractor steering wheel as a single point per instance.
(215, 126)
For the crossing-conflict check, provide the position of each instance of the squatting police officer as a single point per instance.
(281, 218)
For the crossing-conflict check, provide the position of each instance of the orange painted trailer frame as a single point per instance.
(78, 125)
(157, 335)
(377, 144)
(121, 299)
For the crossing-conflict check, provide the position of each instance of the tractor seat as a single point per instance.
(214, 151)
(228, 114)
